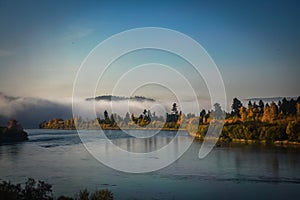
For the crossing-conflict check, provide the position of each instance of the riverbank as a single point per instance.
(220, 141)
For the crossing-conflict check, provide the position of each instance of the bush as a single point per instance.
(42, 191)
(32, 191)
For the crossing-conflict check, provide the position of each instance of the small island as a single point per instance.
(12, 133)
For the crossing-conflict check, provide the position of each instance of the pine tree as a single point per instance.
(236, 105)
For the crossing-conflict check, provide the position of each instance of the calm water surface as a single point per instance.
(228, 172)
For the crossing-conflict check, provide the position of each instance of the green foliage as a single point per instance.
(293, 131)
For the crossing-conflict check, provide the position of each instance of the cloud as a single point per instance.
(31, 111)
(120, 98)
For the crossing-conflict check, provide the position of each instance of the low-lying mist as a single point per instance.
(30, 112)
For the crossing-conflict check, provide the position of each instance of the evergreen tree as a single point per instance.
(291, 107)
(127, 118)
(284, 106)
(236, 105)
(261, 105)
(218, 111)
(250, 104)
(174, 108)
(112, 120)
(105, 115)
(202, 115)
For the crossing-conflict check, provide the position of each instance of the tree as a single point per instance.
(112, 120)
(102, 195)
(284, 106)
(145, 113)
(202, 115)
(149, 114)
(261, 105)
(273, 111)
(127, 118)
(293, 130)
(84, 195)
(270, 112)
(174, 108)
(243, 114)
(217, 113)
(249, 104)
(105, 115)
(255, 105)
(236, 105)
(291, 107)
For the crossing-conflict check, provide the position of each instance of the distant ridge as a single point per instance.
(269, 99)
(119, 98)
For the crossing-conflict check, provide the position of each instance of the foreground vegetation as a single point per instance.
(40, 190)
(258, 122)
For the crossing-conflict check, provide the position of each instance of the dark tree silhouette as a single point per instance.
(105, 114)
(236, 105)
(261, 105)
(174, 108)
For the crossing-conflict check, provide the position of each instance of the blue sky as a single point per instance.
(255, 44)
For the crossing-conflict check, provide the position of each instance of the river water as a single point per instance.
(235, 171)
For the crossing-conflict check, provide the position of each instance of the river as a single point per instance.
(235, 171)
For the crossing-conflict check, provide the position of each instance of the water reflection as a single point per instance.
(10, 149)
(236, 170)
(145, 145)
(275, 167)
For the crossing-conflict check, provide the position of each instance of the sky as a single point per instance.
(255, 44)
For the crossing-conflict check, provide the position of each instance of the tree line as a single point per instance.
(259, 122)
(254, 121)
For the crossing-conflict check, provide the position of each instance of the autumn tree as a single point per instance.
(243, 114)
(270, 113)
